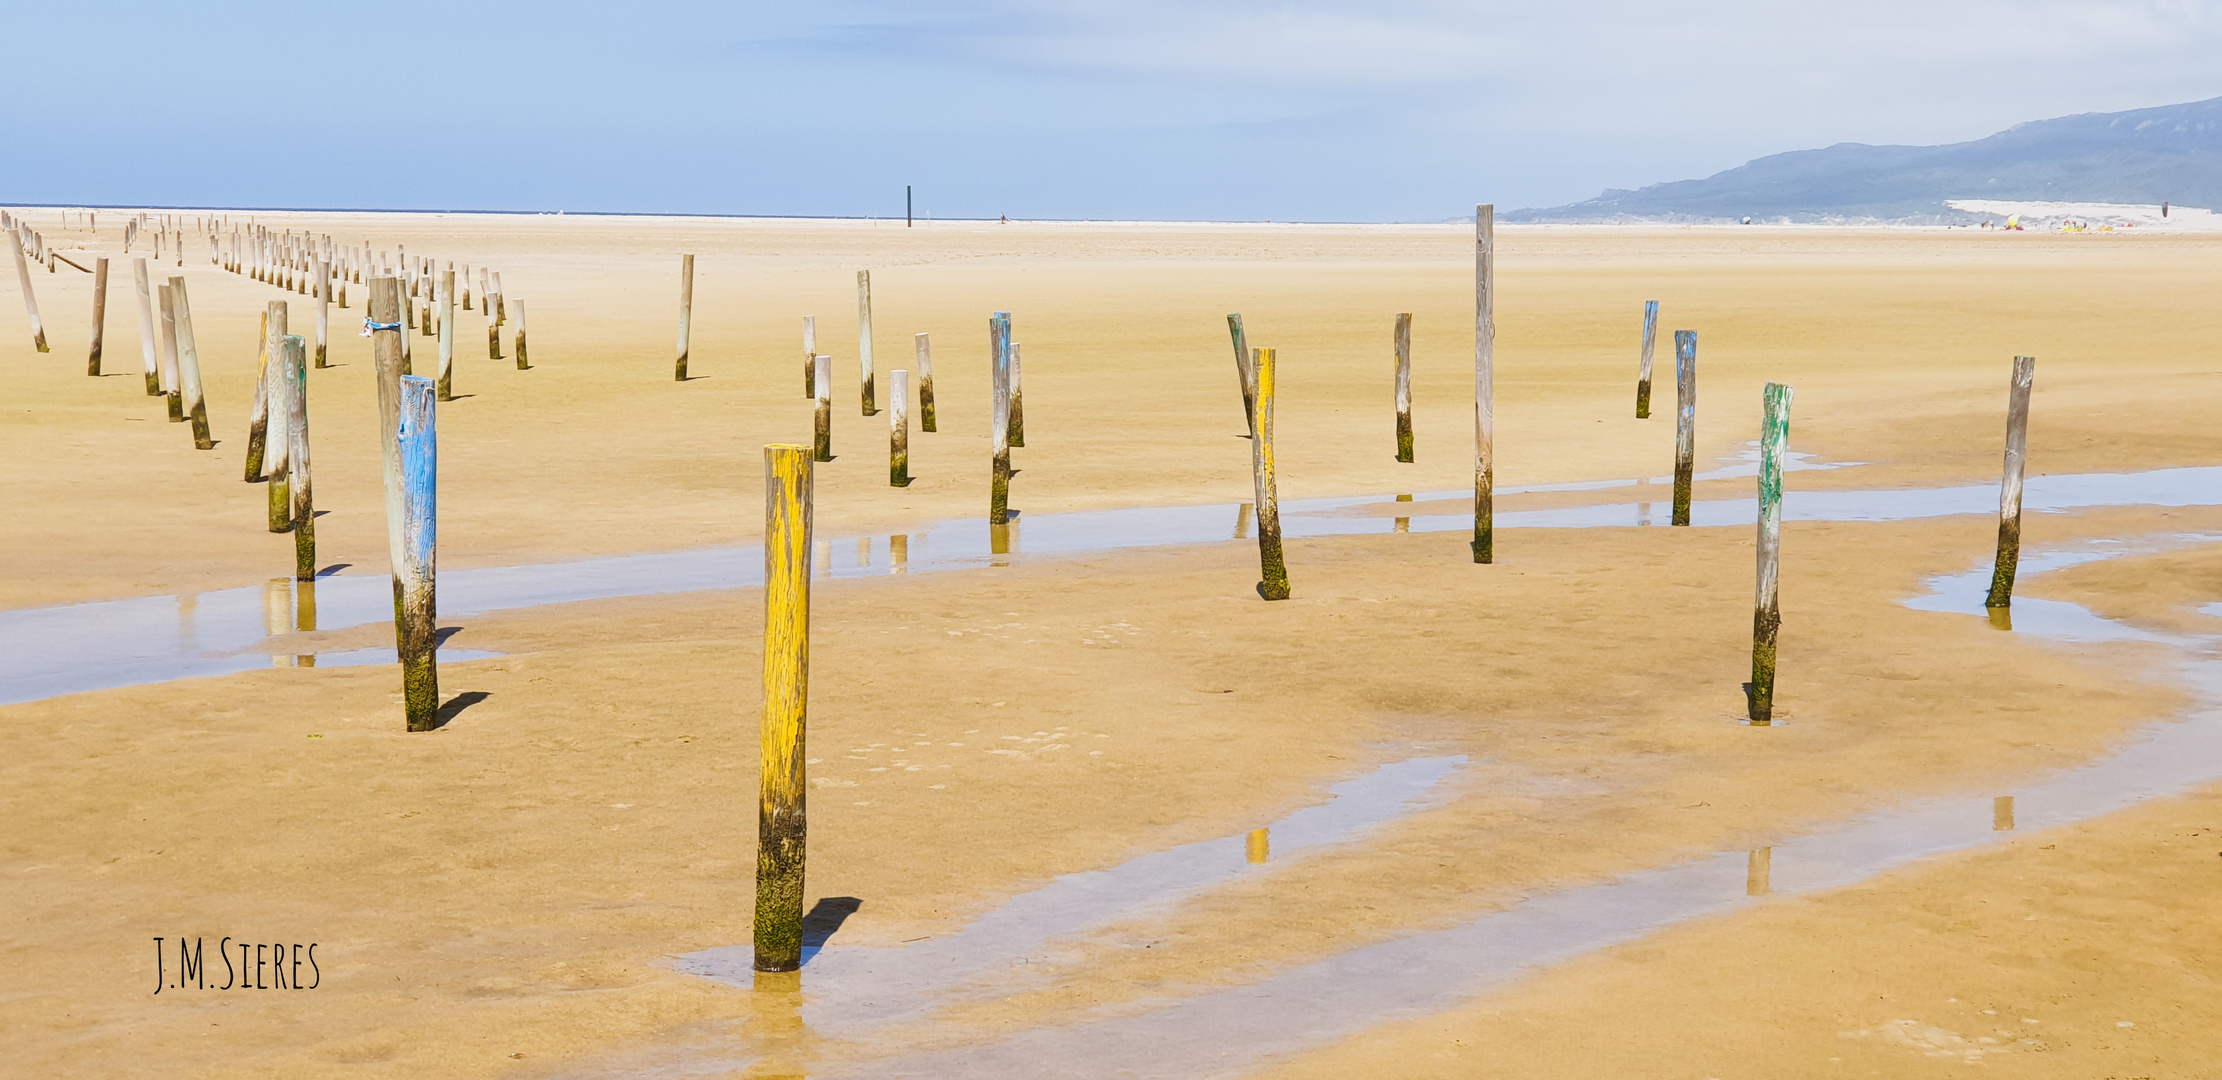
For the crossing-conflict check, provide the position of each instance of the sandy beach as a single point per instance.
(514, 894)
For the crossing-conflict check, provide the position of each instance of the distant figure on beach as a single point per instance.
(2163, 208)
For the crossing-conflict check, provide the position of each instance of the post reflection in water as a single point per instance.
(1758, 872)
(1256, 847)
(825, 558)
(776, 1025)
(188, 605)
(2002, 814)
(304, 616)
(999, 543)
(1242, 522)
(898, 554)
(2001, 618)
(863, 551)
(1404, 524)
(277, 614)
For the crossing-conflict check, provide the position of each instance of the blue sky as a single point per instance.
(1387, 111)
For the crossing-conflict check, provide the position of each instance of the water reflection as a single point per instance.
(898, 554)
(1403, 524)
(2002, 814)
(1758, 870)
(1256, 848)
(1242, 522)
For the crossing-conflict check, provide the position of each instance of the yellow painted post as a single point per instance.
(781, 822)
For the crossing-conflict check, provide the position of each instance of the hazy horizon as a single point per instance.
(1408, 111)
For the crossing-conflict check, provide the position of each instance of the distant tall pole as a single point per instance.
(1485, 379)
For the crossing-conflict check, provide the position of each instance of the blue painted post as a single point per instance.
(999, 417)
(416, 563)
(1643, 368)
(1685, 422)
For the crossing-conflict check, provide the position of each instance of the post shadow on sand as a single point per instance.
(455, 706)
(826, 916)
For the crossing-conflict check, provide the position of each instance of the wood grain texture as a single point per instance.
(999, 418)
(443, 303)
(822, 387)
(168, 309)
(1272, 568)
(416, 606)
(522, 363)
(925, 383)
(23, 276)
(189, 365)
(1245, 379)
(278, 446)
(1485, 382)
(809, 356)
(303, 503)
(147, 348)
(686, 315)
(867, 388)
(1643, 362)
(2009, 487)
(1766, 620)
(1402, 344)
(100, 313)
(1017, 422)
(898, 428)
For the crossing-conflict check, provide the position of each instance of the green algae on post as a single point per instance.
(868, 385)
(1685, 421)
(1485, 382)
(1643, 363)
(822, 447)
(522, 365)
(416, 562)
(999, 417)
(100, 312)
(898, 428)
(782, 823)
(323, 311)
(2009, 488)
(189, 365)
(1403, 344)
(443, 304)
(147, 350)
(280, 442)
(1272, 568)
(1766, 619)
(258, 421)
(810, 357)
(925, 384)
(1018, 401)
(303, 510)
(1245, 376)
(175, 399)
(686, 315)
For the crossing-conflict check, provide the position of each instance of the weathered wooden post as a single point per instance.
(465, 285)
(823, 376)
(303, 509)
(686, 314)
(258, 419)
(522, 365)
(148, 350)
(1244, 376)
(1274, 571)
(1766, 619)
(323, 311)
(1404, 387)
(189, 365)
(174, 399)
(1685, 421)
(1485, 382)
(100, 312)
(781, 820)
(501, 307)
(864, 340)
(810, 356)
(493, 318)
(2009, 488)
(444, 287)
(999, 417)
(1643, 364)
(925, 384)
(23, 275)
(280, 442)
(416, 561)
(1017, 423)
(898, 428)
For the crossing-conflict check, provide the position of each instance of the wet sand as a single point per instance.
(520, 882)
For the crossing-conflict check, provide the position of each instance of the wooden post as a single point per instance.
(444, 301)
(2009, 488)
(501, 307)
(148, 350)
(898, 428)
(466, 287)
(1643, 364)
(1018, 408)
(864, 340)
(383, 310)
(416, 561)
(822, 375)
(485, 294)
(521, 364)
(999, 417)
(781, 821)
(686, 313)
(810, 356)
(323, 310)
(303, 507)
(280, 442)
(189, 365)
(408, 306)
(1272, 568)
(493, 328)
(1774, 438)
(174, 399)
(1404, 387)
(100, 313)
(925, 384)
(1244, 376)
(23, 275)
(1685, 421)
(1485, 382)
(258, 420)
